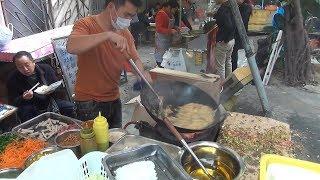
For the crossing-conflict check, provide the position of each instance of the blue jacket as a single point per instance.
(278, 18)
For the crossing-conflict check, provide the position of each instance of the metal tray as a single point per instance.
(165, 166)
(133, 141)
(43, 117)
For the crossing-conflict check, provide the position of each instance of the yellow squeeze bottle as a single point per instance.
(101, 130)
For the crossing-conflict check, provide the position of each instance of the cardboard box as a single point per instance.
(236, 81)
(140, 113)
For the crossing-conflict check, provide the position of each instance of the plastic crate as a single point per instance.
(269, 159)
(91, 166)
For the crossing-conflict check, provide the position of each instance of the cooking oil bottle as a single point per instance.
(101, 131)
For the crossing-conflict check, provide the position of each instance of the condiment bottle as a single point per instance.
(101, 130)
(88, 141)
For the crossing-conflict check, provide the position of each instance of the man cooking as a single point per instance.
(103, 45)
(164, 29)
(27, 75)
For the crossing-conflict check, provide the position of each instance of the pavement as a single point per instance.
(297, 107)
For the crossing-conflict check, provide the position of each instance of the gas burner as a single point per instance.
(161, 133)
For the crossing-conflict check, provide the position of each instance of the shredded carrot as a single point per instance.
(16, 153)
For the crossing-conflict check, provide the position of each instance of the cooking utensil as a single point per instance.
(148, 84)
(222, 160)
(37, 155)
(32, 123)
(166, 121)
(185, 145)
(176, 94)
(143, 77)
(10, 173)
(165, 166)
(60, 137)
(34, 86)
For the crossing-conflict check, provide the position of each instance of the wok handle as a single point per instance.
(173, 130)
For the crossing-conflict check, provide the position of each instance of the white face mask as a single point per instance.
(121, 23)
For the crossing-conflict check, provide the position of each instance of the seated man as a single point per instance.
(28, 74)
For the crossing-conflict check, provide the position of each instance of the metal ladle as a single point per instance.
(168, 123)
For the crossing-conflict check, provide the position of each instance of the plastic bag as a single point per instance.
(174, 60)
(6, 34)
(60, 165)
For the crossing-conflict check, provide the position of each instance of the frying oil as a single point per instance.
(220, 172)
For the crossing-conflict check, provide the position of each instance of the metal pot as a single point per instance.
(223, 162)
(10, 173)
(177, 94)
(115, 134)
(76, 148)
(37, 155)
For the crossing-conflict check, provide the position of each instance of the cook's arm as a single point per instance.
(78, 44)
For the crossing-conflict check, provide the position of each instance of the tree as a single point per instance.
(298, 60)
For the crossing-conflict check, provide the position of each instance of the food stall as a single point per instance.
(33, 148)
(229, 145)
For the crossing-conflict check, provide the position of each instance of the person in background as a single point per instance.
(139, 25)
(164, 30)
(250, 2)
(154, 9)
(225, 39)
(28, 74)
(278, 19)
(103, 44)
(157, 8)
(184, 19)
(245, 11)
(145, 20)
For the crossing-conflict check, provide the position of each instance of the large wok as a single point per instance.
(176, 94)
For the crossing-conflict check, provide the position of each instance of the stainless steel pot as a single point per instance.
(37, 155)
(60, 137)
(223, 162)
(115, 134)
(10, 173)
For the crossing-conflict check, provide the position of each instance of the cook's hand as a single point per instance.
(27, 95)
(120, 41)
(173, 31)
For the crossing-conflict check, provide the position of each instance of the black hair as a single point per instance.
(137, 3)
(171, 3)
(20, 54)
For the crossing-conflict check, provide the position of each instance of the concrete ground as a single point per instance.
(298, 107)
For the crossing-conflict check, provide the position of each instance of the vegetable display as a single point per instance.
(16, 153)
(5, 140)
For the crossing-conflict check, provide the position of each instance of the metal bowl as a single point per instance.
(10, 173)
(115, 134)
(37, 155)
(222, 162)
(59, 138)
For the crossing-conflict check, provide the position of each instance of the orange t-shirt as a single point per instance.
(99, 69)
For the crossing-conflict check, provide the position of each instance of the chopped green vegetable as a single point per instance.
(5, 140)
